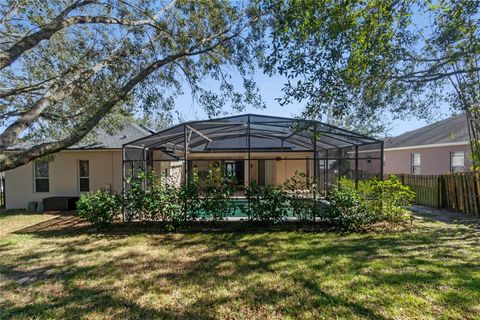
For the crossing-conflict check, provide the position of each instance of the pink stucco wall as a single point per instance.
(434, 160)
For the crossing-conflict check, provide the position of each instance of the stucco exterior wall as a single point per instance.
(433, 160)
(279, 166)
(105, 172)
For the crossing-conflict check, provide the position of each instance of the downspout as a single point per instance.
(123, 184)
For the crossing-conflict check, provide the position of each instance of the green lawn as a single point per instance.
(430, 271)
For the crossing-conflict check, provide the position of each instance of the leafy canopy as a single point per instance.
(364, 58)
(68, 67)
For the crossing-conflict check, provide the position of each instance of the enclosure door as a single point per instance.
(261, 172)
(265, 172)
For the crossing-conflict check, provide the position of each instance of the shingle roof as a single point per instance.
(450, 130)
(103, 139)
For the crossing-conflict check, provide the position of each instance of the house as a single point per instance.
(265, 149)
(81, 168)
(439, 148)
(245, 148)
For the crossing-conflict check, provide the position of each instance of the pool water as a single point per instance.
(239, 204)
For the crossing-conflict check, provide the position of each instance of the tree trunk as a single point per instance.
(473, 118)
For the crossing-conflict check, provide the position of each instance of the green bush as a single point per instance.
(347, 208)
(299, 191)
(372, 201)
(134, 197)
(150, 198)
(99, 208)
(395, 198)
(217, 202)
(189, 193)
(266, 204)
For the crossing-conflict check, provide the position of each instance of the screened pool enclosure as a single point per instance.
(258, 149)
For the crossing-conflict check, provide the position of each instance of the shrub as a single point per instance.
(189, 193)
(99, 208)
(151, 198)
(164, 203)
(217, 202)
(267, 204)
(395, 198)
(135, 196)
(373, 201)
(371, 191)
(347, 208)
(299, 191)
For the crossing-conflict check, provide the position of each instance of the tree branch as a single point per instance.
(27, 42)
(11, 161)
(60, 22)
(423, 76)
(57, 92)
(25, 89)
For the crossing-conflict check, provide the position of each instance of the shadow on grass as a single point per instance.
(250, 272)
(70, 224)
(446, 216)
(206, 273)
(4, 213)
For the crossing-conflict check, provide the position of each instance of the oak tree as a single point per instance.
(68, 67)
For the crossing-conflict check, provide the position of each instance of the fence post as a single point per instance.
(476, 187)
(439, 191)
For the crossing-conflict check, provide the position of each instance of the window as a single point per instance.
(42, 180)
(415, 163)
(83, 176)
(457, 161)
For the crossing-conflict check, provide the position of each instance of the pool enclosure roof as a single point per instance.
(253, 133)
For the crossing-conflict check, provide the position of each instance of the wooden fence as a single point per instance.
(459, 191)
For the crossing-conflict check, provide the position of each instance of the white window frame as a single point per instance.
(451, 161)
(412, 163)
(83, 177)
(35, 178)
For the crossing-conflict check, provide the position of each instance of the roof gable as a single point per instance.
(450, 130)
(102, 139)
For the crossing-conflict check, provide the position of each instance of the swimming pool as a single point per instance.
(242, 202)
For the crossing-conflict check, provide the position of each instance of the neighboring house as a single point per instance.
(80, 168)
(439, 148)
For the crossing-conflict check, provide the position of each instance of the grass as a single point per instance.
(429, 271)
(14, 220)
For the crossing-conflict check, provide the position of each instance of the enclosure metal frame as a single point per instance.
(341, 136)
